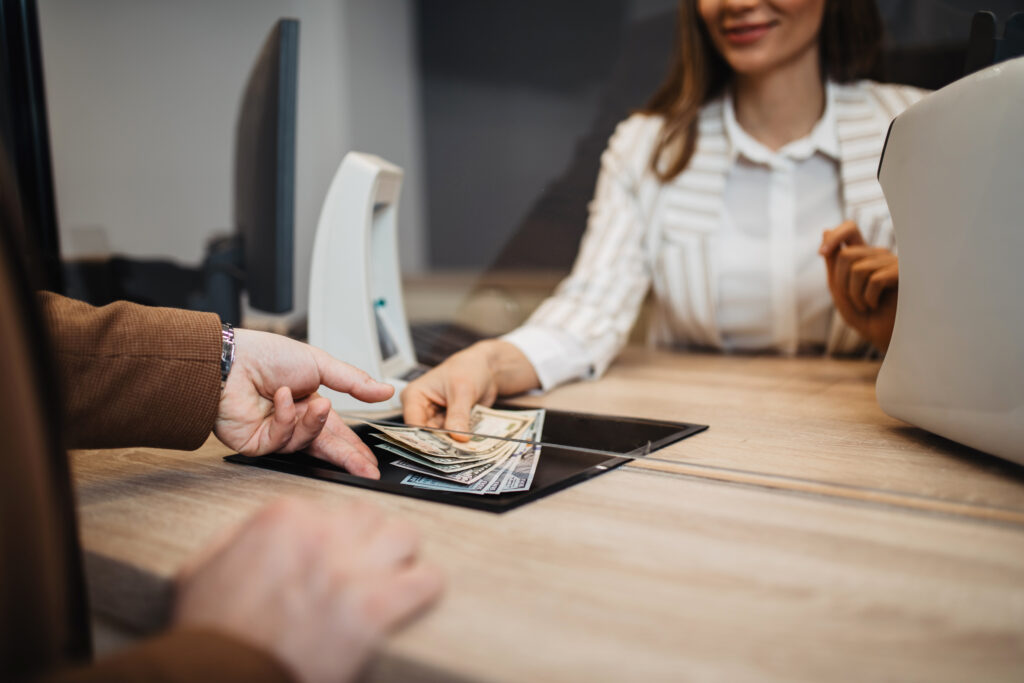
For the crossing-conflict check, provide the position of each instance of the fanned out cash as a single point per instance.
(484, 465)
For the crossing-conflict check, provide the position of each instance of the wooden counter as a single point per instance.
(804, 536)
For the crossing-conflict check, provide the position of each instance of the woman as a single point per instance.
(716, 196)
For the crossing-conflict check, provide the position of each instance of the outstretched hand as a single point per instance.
(445, 396)
(269, 403)
(863, 280)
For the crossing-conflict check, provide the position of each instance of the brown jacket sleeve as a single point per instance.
(134, 375)
(131, 375)
(139, 376)
(185, 655)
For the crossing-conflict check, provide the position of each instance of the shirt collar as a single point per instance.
(822, 138)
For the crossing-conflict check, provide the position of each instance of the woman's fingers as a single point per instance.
(846, 232)
(842, 247)
(860, 273)
(417, 407)
(880, 280)
(463, 395)
(844, 261)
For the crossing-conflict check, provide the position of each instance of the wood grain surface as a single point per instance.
(814, 420)
(737, 560)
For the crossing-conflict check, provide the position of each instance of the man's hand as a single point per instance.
(863, 281)
(317, 588)
(270, 404)
(445, 396)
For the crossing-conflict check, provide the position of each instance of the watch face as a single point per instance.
(227, 350)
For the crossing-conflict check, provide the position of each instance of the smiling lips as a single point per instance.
(745, 34)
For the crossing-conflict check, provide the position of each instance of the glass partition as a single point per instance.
(497, 112)
(518, 101)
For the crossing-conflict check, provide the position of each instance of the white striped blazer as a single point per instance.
(643, 233)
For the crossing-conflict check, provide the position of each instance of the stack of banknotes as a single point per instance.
(484, 465)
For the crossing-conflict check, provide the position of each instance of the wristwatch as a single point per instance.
(227, 351)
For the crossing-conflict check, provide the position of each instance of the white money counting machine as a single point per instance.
(356, 311)
(953, 176)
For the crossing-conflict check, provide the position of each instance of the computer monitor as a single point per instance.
(259, 256)
(265, 170)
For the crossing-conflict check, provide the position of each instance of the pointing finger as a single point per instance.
(350, 379)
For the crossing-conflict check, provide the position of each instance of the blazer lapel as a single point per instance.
(692, 207)
(860, 127)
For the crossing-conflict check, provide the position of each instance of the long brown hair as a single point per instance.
(849, 42)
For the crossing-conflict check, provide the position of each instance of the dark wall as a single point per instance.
(521, 97)
(508, 90)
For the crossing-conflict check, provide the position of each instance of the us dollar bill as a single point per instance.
(465, 477)
(440, 460)
(485, 423)
(520, 477)
(512, 465)
(440, 469)
(487, 485)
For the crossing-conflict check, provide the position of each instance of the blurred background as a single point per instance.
(496, 110)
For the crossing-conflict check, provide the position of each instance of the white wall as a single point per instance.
(380, 53)
(143, 97)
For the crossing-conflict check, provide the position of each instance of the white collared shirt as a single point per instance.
(772, 284)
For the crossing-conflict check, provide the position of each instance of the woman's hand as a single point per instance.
(445, 396)
(863, 281)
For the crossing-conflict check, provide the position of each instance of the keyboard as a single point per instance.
(435, 341)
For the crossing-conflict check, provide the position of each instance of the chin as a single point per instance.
(750, 65)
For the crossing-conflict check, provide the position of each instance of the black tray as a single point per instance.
(558, 468)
